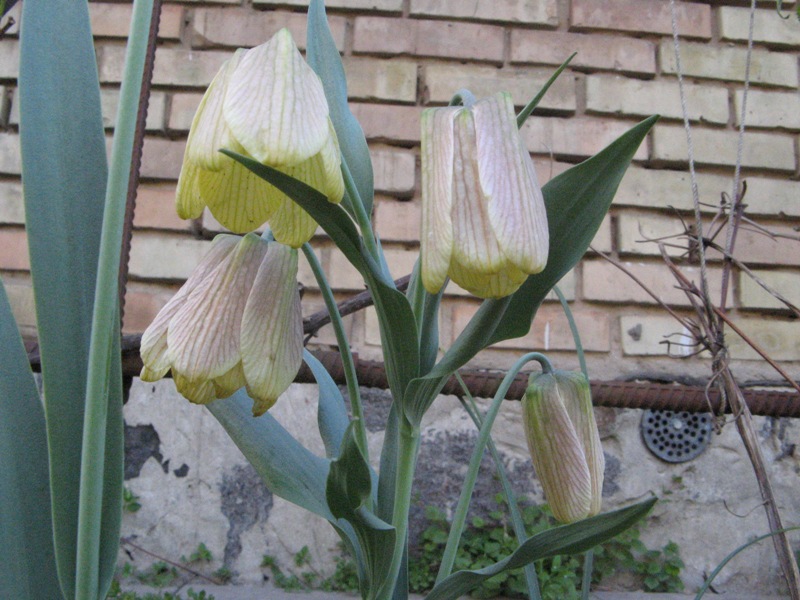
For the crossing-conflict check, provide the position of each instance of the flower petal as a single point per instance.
(240, 200)
(515, 203)
(474, 242)
(203, 337)
(275, 104)
(436, 236)
(199, 392)
(188, 202)
(229, 383)
(487, 285)
(272, 328)
(291, 224)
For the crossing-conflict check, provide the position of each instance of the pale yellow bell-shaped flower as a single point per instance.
(235, 323)
(484, 223)
(564, 443)
(268, 104)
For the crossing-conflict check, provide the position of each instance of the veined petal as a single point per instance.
(203, 337)
(328, 163)
(515, 202)
(487, 285)
(291, 224)
(199, 392)
(474, 242)
(209, 132)
(275, 104)
(240, 200)
(556, 450)
(436, 236)
(153, 348)
(188, 202)
(272, 328)
(230, 382)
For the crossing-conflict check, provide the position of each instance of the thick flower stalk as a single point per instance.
(268, 104)
(235, 323)
(484, 223)
(564, 443)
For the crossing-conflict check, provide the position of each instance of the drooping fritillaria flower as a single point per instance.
(564, 443)
(484, 223)
(235, 323)
(266, 103)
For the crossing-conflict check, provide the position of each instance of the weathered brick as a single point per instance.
(728, 63)
(442, 81)
(769, 109)
(656, 188)
(635, 97)
(779, 338)
(401, 262)
(155, 208)
(245, 28)
(6, 105)
(142, 303)
(641, 16)
(23, 306)
(639, 233)
(785, 283)
(173, 66)
(445, 39)
(602, 239)
(381, 79)
(768, 27)
(150, 251)
(14, 13)
(603, 282)
(361, 5)
(397, 221)
(9, 59)
(390, 123)
(653, 335)
(550, 329)
(604, 52)
(13, 249)
(757, 248)
(394, 170)
(156, 109)
(162, 158)
(719, 147)
(577, 137)
(12, 205)
(544, 12)
(341, 274)
(10, 160)
(182, 108)
(114, 20)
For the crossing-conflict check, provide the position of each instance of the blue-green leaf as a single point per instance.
(64, 176)
(26, 527)
(286, 466)
(331, 411)
(574, 538)
(349, 479)
(324, 58)
(576, 202)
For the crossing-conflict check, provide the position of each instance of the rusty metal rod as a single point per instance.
(484, 383)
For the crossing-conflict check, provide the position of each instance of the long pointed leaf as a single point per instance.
(64, 176)
(567, 539)
(332, 416)
(323, 57)
(26, 527)
(286, 466)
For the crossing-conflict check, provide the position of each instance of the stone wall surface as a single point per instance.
(400, 57)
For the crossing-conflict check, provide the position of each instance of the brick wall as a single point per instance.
(403, 55)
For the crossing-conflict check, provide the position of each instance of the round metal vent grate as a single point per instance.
(676, 436)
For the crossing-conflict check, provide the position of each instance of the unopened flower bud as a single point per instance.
(564, 443)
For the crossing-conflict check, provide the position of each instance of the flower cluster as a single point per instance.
(484, 223)
(268, 104)
(235, 323)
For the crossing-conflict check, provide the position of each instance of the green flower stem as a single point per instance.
(449, 556)
(344, 349)
(406, 462)
(516, 518)
(105, 318)
(364, 223)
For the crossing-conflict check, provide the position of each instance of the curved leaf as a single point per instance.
(324, 58)
(349, 480)
(331, 412)
(567, 539)
(26, 527)
(286, 466)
